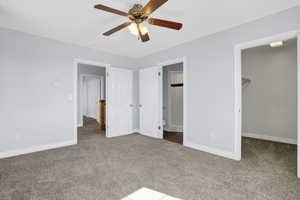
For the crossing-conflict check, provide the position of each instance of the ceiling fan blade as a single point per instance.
(151, 6)
(144, 37)
(111, 10)
(165, 23)
(120, 27)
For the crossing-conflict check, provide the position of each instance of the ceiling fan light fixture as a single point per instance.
(137, 15)
(134, 29)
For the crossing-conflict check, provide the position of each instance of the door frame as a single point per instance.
(238, 87)
(182, 60)
(81, 76)
(77, 61)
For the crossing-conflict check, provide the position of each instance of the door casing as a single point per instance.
(77, 61)
(182, 60)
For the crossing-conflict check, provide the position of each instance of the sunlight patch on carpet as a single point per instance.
(147, 194)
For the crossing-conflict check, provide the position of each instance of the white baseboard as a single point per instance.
(35, 149)
(80, 125)
(270, 138)
(135, 130)
(114, 136)
(214, 151)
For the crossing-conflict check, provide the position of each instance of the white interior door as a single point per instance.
(150, 119)
(119, 102)
(93, 97)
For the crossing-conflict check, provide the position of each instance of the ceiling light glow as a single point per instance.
(134, 29)
(276, 44)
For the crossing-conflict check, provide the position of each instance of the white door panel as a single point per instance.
(150, 102)
(119, 100)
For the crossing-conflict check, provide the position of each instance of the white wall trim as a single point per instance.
(12, 153)
(77, 61)
(214, 151)
(182, 60)
(270, 138)
(238, 89)
(268, 40)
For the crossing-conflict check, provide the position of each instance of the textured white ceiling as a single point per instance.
(77, 22)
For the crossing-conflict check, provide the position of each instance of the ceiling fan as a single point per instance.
(137, 15)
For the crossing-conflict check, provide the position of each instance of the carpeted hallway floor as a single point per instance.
(109, 169)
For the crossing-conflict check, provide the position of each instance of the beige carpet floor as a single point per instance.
(109, 169)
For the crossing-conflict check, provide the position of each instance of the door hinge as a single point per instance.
(159, 127)
(158, 73)
(107, 74)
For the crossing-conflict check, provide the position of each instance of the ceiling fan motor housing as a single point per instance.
(136, 14)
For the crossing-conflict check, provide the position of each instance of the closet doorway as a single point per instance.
(267, 100)
(162, 102)
(173, 90)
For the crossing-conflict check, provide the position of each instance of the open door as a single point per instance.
(150, 115)
(119, 102)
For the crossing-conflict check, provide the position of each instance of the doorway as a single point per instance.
(151, 100)
(277, 105)
(172, 76)
(91, 100)
(116, 99)
(91, 94)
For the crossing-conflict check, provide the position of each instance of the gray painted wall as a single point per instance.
(36, 86)
(92, 70)
(166, 69)
(269, 102)
(210, 78)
